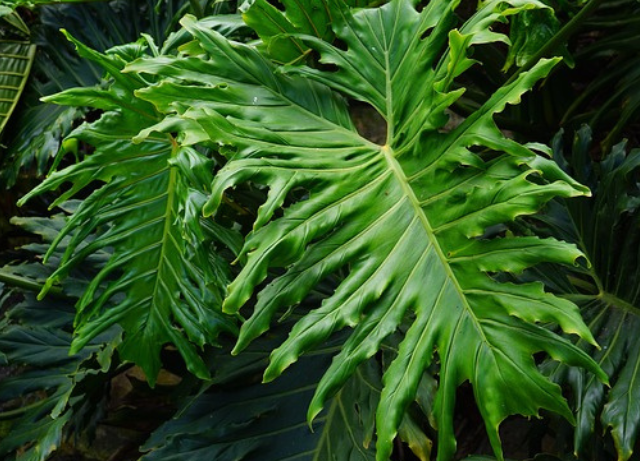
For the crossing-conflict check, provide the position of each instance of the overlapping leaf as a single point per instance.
(609, 101)
(166, 286)
(405, 219)
(606, 229)
(278, 29)
(35, 338)
(267, 422)
(35, 134)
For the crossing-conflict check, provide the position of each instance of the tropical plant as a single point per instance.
(219, 182)
(605, 290)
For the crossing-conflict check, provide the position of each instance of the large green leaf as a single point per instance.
(166, 285)
(606, 228)
(405, 219)
(280, 30)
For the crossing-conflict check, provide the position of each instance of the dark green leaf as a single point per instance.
(605, 227)
(260, 422)
(16, 59)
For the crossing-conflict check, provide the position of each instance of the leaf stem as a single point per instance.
(606, 298)
(11, 414)
(28, 284)
(620, 303)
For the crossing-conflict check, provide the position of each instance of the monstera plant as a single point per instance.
(224, 205)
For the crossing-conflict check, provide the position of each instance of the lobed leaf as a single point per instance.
(405, 220)
(606, 291)
(41, 396)
(160, 273)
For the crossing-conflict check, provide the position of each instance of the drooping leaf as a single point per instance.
(405, 219)
(609, 100)
(168, 290)
(606, 228)
(35, 339)
(238, 421)
(36, 132)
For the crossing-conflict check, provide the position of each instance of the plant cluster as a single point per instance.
(310, 229)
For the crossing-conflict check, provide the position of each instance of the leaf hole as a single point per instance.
(368, 122)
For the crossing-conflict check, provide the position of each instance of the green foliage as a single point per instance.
(35, 132)
(605, 228)
(616, 54)
(258, 422)
(281, 31)
(17, 58)
(164, 269)
(227, 221)
(38, 336)
(415, 206)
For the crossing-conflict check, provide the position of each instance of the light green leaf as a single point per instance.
(280, 30)
(405, 220)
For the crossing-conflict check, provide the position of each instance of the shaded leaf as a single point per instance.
(35, 134)
(35, 337)
(16, 59)
(606, 229)
(244, 422)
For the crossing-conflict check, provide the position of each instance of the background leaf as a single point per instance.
(605, 227)
(267, 422)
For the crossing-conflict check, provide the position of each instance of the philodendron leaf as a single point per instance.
(404, 220)
(159, 272)
(40, 400)
(607, 291)
(280, 30)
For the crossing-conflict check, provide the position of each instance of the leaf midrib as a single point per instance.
(166, 231)
(398, 173)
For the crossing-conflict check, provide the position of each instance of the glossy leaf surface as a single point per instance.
(404, 219)
(167, 288)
